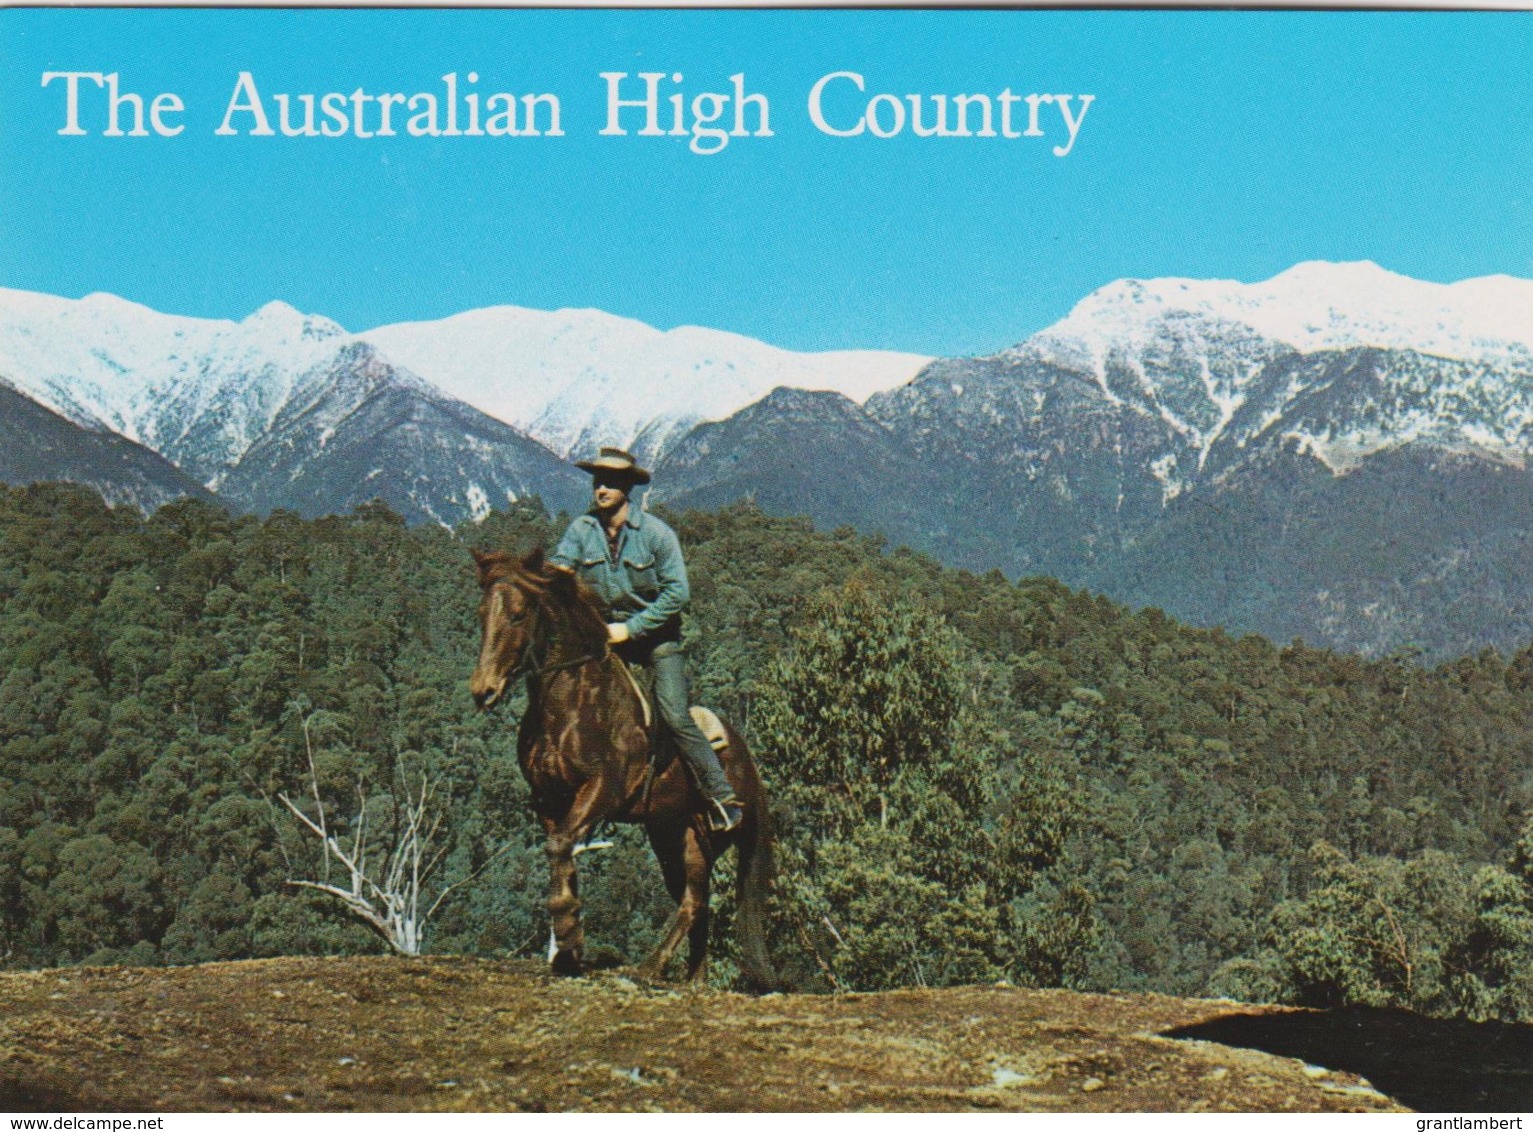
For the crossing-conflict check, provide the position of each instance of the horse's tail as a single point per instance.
(754, 871)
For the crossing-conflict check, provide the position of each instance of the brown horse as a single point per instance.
(584, 749)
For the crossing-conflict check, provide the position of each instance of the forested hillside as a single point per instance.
(975, 779)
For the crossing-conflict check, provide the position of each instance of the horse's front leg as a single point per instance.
(562, 835)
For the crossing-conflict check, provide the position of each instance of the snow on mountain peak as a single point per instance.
(113, 306)
(282, 320)
(202, 391)
(95, 360)
(1190, 350)
(574, 378)
(107, 363)
(1312, 306)
(1355, 273)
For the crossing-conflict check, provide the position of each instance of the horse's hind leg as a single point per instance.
(685, 862)
(668, 844)
(699, 864)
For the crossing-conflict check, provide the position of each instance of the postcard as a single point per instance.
(765, 560)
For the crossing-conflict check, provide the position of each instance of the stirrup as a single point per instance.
(725, 814)
(590, 845)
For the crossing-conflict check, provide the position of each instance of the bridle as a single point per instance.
(533, 661)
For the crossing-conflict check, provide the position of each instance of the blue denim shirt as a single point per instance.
(645, 585)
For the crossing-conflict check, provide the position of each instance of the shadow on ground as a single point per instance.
(1428, 1064)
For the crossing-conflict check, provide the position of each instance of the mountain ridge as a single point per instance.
(38, 444)
(1069, 453)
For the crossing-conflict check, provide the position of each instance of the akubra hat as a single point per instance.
(618, 462)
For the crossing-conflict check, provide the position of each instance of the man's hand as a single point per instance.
(617, 632)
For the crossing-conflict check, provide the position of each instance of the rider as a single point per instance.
(633, 562)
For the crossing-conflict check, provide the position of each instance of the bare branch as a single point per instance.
(308, 747)
(488, 861)
(833, 930)
(387, 896)
(271, 813)
(361, 907)
(819, 959)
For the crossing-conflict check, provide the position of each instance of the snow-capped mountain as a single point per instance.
(1196, 352)
(281, 409)
(1311, 306)
(1220, 368)
(1218, 449)
(1338, 453)
(577, 379)
(291, 410)
(198, 391)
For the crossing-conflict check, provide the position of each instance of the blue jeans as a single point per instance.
(673, 702)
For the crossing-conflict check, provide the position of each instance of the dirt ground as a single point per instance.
(471, 1035)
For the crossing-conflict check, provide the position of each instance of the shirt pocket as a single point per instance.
(640, 567)
(596, 573)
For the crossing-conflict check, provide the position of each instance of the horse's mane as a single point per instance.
(574, 606)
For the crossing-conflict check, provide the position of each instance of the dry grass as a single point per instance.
(461, 1034)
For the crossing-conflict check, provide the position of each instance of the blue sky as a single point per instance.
(1218, 144)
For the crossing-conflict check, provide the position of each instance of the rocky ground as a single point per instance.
(465, 1034)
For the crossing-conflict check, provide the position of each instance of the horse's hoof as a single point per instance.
(566, 963)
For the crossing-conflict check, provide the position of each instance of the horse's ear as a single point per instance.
(481, 560)
(533, 563)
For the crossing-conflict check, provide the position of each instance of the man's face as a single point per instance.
(608, 491)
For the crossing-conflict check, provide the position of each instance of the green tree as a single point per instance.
(105, 897)
(895, 836)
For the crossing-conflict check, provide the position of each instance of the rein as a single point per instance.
(563, 664)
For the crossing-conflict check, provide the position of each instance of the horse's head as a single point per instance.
(530, 613)
(510, 615)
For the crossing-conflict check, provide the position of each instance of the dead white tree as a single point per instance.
(388, 898)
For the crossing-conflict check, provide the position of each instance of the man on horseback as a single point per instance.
(633, 562)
